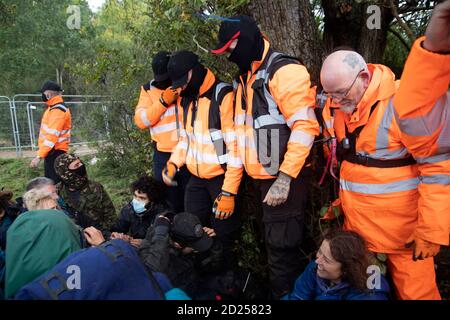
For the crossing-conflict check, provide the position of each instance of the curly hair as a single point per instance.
(5, 199)
(350, 249)
(152, 188)
(36, 199)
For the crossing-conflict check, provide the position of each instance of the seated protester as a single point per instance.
(107, 271)
(137, 216)
(8, 214)
(36, 241)
(87, 201)
(39, 199)
(339, 272)
(185, 251)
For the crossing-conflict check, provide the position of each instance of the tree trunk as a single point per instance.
(348, 23)
(291, 28)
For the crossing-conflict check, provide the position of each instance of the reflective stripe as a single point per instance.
(207, 158)
(216, 135)
(144, 118)
(381, 188)
(182, 145)
(182, 133)
(65, 132)
(49, 130)
(219, 87)
(63, 139)
(49, 143)
(223, 158)
(169, 112)
(269, 119)
(262, 73)
(234, 162)
(59, 106)
(433, 159)
(305, 113)
(242, 119)
(425, 125)
(229, 137)
(164, 128)
(382, 140)
(302, 137)
(200, 138)
(436, 179)
(42, 136)
(329, 123)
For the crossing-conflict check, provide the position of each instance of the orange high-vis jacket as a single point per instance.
(275, 122)
(422, 109)
(208, 143)
(150, 113)
(55, 128)
(381, 204)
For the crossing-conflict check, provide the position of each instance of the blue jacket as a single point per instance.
(309, 286)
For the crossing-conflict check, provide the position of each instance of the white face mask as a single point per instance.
(138, 206)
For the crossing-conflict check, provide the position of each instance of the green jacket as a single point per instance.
(36, 242)
(94, 207)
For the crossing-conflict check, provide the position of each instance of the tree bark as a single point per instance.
(346, 25)
(291, 29)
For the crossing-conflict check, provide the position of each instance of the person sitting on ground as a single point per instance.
(40, 199)
(137, 216)
(36, 242)
(87, 201)
(8, 213)
(339, 272)
(185, 251)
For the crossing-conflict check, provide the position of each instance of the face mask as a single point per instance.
(138, 206)
(193, 87)
(44, 97)
(80, 171)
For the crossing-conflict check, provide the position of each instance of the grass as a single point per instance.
(15, 173)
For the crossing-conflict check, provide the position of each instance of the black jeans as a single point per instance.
(199, 199)
(174, 195)
(283, 233)
(49, 165)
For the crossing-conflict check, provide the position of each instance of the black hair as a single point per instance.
(151, 187)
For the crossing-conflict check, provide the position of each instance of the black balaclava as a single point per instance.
(193, 87)
(162, 84)
(250, 46)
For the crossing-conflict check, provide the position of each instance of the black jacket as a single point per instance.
(185, 271)
(136, 225)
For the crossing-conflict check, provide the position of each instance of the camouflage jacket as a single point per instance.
(94, 207)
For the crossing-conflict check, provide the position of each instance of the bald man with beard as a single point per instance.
(379, 178)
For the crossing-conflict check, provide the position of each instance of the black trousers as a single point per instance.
(174, 195)
(199, 199)
(283, 233)
(49, 165)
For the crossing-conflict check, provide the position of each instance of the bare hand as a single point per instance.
(35, 162)
(210, 232)
(279, 191)
(438, 30)
(122, 236)
(94, 236)
(135, 242)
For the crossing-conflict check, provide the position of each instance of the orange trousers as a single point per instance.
(413, 280)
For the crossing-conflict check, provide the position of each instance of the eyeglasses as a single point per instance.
(341, 96)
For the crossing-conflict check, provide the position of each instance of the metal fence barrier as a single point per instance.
(19, 128)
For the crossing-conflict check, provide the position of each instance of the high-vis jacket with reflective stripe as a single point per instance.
(208, 144)
(55, 127)
(422, 109)
(162, 121)
(381, 204)
(274, 116)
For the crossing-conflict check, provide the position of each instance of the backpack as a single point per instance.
(111, 271)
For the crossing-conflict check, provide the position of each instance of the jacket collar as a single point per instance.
(208, 82)
(54, 101)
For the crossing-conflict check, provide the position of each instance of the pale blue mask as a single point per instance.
(138, 206)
